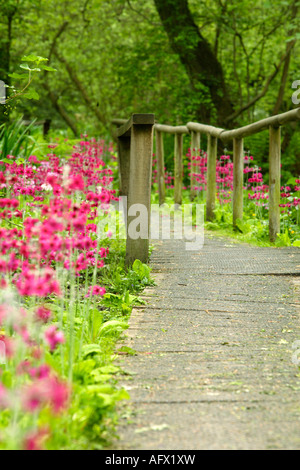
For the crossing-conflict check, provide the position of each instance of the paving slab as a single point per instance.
(216, 352)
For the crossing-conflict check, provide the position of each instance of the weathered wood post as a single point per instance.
(195, 149)
(274, 182)
(178, 171)
(124, 164)
(161, 166)
(138, 162)
(238, 179)
(211, 177)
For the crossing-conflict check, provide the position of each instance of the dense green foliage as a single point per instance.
(73, 66)
(118, 57)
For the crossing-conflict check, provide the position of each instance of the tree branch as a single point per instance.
(142, 14)
(56, 37)
(61, 110)
(261, 94)
(289, 47)
(81, 88)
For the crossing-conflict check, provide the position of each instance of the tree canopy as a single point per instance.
(221, 62)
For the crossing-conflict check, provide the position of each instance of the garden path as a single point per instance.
(215, 365)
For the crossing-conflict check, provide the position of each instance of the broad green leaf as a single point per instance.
(47, 68)
(18, 76)
(31, 95)
(91, 349)
(25, 67)
(33, 58)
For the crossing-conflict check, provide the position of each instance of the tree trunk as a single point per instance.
(82, 89)
(61, 110)
(285, 73)
(203, 68)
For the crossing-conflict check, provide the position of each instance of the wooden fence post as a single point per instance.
(274, 182)
(238, 179)
(178, 172)
(139, 129)
(161, 166)
(195, 148)
(124, 164)
(211, 177)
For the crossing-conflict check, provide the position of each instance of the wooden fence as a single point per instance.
(195, 130)
(135, 142)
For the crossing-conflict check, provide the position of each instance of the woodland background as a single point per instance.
(227, 63)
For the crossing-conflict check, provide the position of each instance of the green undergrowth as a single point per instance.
(252, 229)
(92, 419)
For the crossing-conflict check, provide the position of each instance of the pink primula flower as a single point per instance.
(96, 290)
(54, 337)
(43, 314)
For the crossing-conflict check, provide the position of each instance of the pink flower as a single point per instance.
(43, 314)
(59, 394)
(40, 373)
(103, 252)
(96, 290)
(35, 440)
(77, 183)
(54, 337)
(79, 224)
(34, 396)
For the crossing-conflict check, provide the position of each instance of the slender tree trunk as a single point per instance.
(82, 89)
(289, 48)
(61, 110)
(202, 66)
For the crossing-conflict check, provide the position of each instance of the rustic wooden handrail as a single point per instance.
(272, 123)
(195, 130)
(246, 131)
(178, 132)
(171, 129)
(135, 140)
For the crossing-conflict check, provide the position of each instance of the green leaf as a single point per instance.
(47, 68)
(90, 349)
(84, 368)
(127, 350)
(25, 67)
(291, 182)
(31, 95)
(110, 369)
(33, 58)
(141, 269)
(18, 76)
(7, 379)
(112, 326)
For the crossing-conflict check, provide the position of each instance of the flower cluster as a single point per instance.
(255, 189)
(48, 239)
